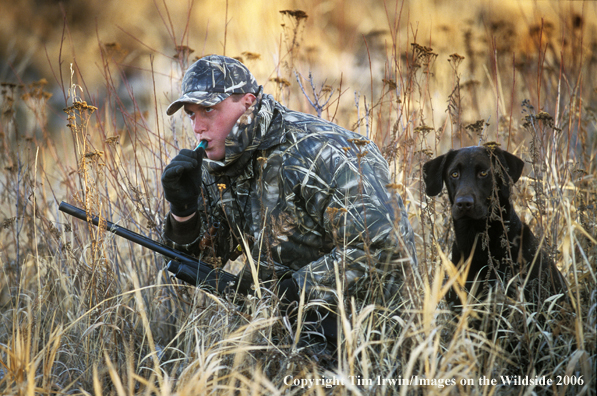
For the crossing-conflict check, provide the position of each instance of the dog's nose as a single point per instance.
(464, 202)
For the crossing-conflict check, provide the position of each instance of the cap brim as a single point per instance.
(206, 99)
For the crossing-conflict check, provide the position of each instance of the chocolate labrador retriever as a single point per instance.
(478, 180)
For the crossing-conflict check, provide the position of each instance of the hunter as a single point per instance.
(309, 198)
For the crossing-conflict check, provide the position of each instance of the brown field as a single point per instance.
(83, 92)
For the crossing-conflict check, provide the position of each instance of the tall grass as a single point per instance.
(83, 312)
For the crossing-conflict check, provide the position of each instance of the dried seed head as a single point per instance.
(281, 81)
(182, 51)
(326, 88)
(424, 129)
(544, 116)
(296, 14)
(8, 222)
(390, 83)
(477, 127)
(333, 212)
(113, 139)
(426, 152)
(251, 55)
(394, 186)
(80, 106)
(94, 154)
(262, 161)
(492, 145)
(455, 58)
(359, 142)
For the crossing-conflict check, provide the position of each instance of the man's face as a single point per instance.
(215, 123)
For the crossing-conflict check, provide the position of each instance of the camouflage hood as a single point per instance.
(250, 133)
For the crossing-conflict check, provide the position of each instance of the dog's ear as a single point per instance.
(433, 172)
(514, 164)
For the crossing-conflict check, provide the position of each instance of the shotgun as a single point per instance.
(184, 266)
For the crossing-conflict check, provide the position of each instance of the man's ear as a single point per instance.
(514, 165)
(433, 174)
(248, 99)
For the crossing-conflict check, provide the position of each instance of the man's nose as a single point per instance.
(199, 127)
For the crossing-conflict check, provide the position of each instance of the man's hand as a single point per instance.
(182, 182)
(288, 292)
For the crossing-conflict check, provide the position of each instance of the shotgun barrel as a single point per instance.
(184, 267)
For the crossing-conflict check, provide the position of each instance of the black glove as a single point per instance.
(289, 295)
(182, 182)
(288, 292)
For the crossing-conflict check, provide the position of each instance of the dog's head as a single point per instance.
(471, 175)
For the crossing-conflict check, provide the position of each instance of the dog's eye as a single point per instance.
(483, 173)
(455, 174)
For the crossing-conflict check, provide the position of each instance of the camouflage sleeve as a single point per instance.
(372, 240)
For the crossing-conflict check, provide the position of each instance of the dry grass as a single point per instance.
(84, 313)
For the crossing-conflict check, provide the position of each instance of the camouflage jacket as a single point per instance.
(305, 194)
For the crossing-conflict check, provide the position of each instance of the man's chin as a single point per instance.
(214, 156)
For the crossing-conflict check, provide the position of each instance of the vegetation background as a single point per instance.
(84, 87)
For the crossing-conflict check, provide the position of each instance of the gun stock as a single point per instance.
(184, 267)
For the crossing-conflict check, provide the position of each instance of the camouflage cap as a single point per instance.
(212, 79)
